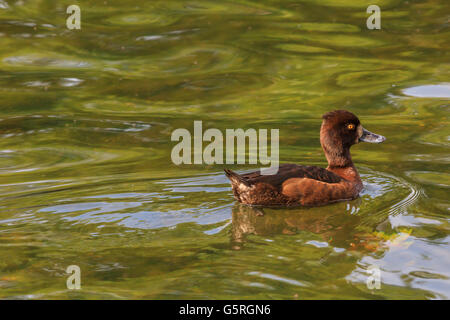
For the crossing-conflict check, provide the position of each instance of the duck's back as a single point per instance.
(290, 170)
(292, 185)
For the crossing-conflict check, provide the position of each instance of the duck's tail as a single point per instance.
(235, 178)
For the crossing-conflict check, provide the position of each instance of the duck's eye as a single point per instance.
(350, 126)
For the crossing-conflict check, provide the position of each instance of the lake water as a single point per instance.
(86, 176)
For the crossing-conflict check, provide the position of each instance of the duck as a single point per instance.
(299, 185)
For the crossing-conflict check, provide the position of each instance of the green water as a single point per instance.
(86, 176)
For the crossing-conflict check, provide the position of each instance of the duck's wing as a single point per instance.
(285, 172)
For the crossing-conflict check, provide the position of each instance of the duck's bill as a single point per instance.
(368, 136)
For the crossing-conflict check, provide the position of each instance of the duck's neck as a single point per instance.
(348, 173)
(340, 162)
(338, 156)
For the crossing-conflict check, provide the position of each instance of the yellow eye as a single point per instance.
(350, 126)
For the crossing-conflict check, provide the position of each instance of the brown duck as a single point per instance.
(297, 185)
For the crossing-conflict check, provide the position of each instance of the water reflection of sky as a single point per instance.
(429, 91)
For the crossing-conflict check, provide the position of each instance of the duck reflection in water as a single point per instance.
(339, 227)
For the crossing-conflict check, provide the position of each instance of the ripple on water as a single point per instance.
(440, 179)
(277, 278)
(364, 78)
(175, 201)
(121, 213)
(46, 60)
(141, 19)
(19, 158)
(31, 159)
(397, 193)
(155, 210)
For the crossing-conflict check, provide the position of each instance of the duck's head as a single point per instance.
(340, 130)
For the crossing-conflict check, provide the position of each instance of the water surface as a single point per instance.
(85, 171)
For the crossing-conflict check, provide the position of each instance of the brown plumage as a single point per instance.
(295, 185)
